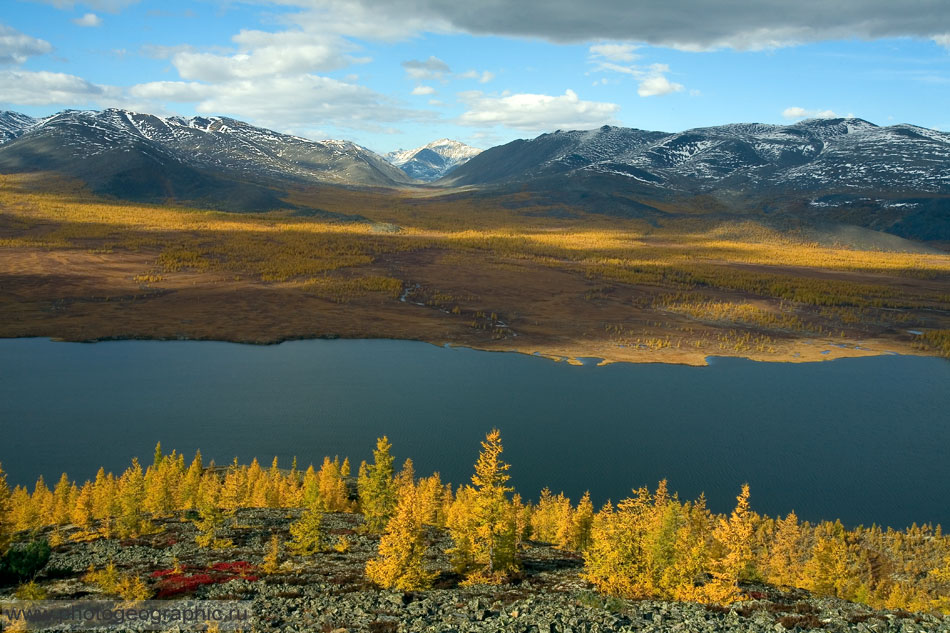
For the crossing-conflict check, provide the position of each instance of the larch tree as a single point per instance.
(734, 537)
(582, 520)
(131, 520)
(487, 533)
(783, 565)
(81, 513)
(399, 563)
(377, 487)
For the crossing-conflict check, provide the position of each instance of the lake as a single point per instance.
(864, 440)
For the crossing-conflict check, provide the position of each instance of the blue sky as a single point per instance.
(401, 73)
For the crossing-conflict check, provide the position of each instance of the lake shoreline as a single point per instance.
(793, 351)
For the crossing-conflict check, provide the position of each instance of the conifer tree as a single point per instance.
(307, 533)
(406, 477)
(82, 510)
(734, 536)
(486, 533)
(783, 565)
(157, 458)
(42, 504)
(310, 489)
(399, 563)
(377, 488)
(826, 571)
(61, 498)
(131, 520)
(429, 493)
(105, 501)
(234, 488)
(188, 492)
(21, 514)
(160, 488)
(332, 483)
(582, 522)
(272, 559)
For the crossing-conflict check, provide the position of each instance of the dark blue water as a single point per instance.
(863, 440)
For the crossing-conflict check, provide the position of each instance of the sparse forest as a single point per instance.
(650, 545)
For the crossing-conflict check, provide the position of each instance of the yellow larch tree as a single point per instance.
(332, 484)
(188, 491)
(734, 539)
(783, 563)
(377, 487)
(399, 563)
(131, 519)
(42, 502)
(61, 501)
(582, 520)
(485, 528)
(105, 501)
(82, 511)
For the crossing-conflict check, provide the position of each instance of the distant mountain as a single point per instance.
(894, 178)
(431, 162)
(214, 160)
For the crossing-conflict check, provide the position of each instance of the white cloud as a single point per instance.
(432, 68)
(17, 47)
(90, 19)
(615, 52)
(263, 54)
(943, 40)
(652, 79)
(288, 102)
(423, 90)
(801, 113)
(535, 112)
(45, 88)
(656, 86)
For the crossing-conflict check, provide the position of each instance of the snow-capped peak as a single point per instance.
(433, 160)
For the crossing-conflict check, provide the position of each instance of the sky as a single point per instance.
(392, 74)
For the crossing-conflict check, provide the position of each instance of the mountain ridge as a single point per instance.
(213, 160)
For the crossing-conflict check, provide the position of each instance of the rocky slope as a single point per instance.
(328, 592)
(433, 161)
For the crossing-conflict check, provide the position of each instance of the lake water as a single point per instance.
(864, 440)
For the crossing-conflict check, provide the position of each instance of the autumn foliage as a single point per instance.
(650, 545)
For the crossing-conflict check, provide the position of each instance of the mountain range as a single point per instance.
(894, 178)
